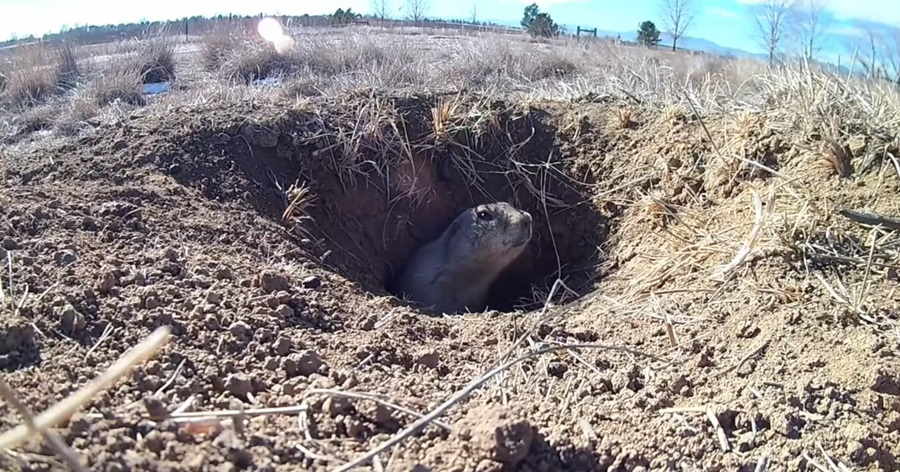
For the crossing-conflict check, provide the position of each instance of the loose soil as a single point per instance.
(182, 220)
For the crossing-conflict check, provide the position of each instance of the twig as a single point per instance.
(68, 406)
(58, 445)
(871, 219)
(720, 431)
(468, 389)
(746, 358)
(747, 247)
(762, 465)
(206, 415)
(374, 398)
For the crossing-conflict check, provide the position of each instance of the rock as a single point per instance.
(857, 145)
(108, 280)
(284, 311)
(70, 320)
(64, 258)
(271, 282)
(9, 244)
(887, 381)
(496, 432)
(213, 298)
(313, 281)
(337, 406)
(240, 330)
(170, 254)
(15, 334)
(259, 135)
(282, 346)
(428, 358)
(238, 385)
(303, 363)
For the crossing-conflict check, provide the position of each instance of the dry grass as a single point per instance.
(120, 84)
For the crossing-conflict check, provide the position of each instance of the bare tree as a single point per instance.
(770, 17)
(474, 17)
(677, 16)
(881, 59)
(807, 20)
(381, 9)
(415, 9)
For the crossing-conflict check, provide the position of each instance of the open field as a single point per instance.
(695, 296)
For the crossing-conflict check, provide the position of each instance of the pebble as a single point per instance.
(271, 282)
(9, 244)
(238, 385)
(71, 321)
(313, 281)
(240, 330)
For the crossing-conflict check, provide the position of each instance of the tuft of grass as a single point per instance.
(217, 47)
(67, 71)
(120, 84)
(156, 60)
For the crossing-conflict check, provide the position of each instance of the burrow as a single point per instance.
(362, 182)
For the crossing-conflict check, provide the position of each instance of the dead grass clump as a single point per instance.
(121, 84)
(67, 67)
(837, 157)
(157, 60)
(81, 107)
(216, 48)
(36, 118)
(547, 65)
(255, 60)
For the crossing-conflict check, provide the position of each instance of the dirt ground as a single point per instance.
(789, 358)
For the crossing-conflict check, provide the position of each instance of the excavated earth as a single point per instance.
(266, 235)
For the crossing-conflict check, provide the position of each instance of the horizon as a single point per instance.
(727, 23)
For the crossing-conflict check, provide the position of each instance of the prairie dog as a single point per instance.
(454, 272)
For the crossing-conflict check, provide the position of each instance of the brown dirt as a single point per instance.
(178, 221)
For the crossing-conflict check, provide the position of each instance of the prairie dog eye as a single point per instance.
(485, 215)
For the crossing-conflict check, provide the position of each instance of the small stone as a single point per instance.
(337, 406)
(303, 363)
(223, 273)
(170, 254)
(284, 311)
(271, 282)
(282, 346)
(272, 363)
(313, 281)
(240, 330)
(9, 244)
(64, 258)
(238, 385)
(213, 298)
(428, 358)
(155, 407)
(107, 281)
(857, 145)
(152, 302)
(89, 223)
(745, 442)
(71, 321)
(496, 432)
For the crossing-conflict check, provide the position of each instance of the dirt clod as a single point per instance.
(71, 321)
(497, 432)
(271, 282)
(238, 385)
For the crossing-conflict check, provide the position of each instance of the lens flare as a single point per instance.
(271, 31)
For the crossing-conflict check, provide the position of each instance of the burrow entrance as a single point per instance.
(367, 180)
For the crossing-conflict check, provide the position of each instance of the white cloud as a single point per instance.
(722, 12)
(547, 3)
(846, 30)
(882, 11)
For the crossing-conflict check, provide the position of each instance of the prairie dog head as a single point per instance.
(489, 235)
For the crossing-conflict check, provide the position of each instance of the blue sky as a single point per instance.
(726, 22)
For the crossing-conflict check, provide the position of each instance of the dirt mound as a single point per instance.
(267, 235)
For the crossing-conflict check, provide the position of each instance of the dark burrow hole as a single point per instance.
(362, 213)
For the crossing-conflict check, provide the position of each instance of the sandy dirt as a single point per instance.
(179, 220)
